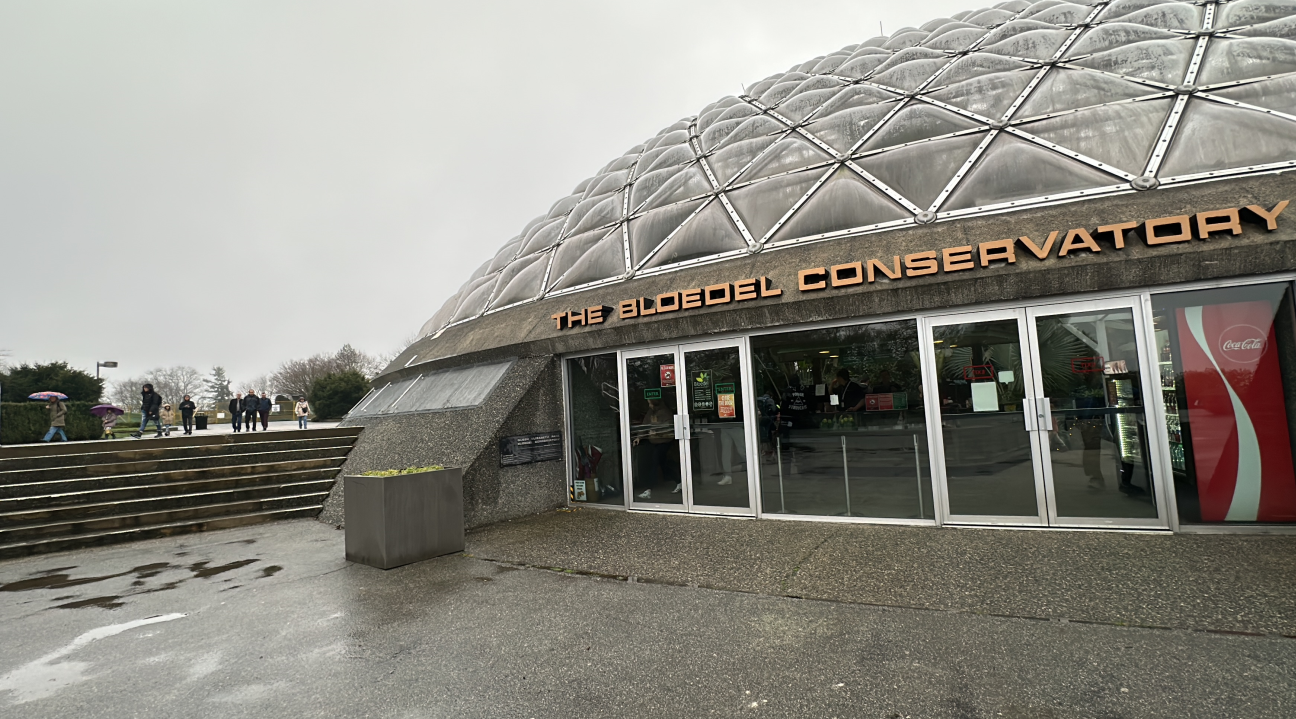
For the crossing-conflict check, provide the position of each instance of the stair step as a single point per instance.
(66, 486)
(11, 535)
(97, 539)
(168, 464)
(144, 491)
(46, 449)
(130, 451)
(44, 516)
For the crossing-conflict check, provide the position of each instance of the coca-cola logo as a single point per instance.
(1243, 344)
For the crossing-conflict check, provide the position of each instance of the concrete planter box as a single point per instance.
(392, 521)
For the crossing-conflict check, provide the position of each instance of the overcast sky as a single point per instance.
(241, 183)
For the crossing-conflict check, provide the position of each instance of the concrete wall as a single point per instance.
(526, 400)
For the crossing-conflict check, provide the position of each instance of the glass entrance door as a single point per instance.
(1042, 418)
(686, 425)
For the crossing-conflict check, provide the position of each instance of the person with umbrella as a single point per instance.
(57, 412)
(150, 405)
(108, 414)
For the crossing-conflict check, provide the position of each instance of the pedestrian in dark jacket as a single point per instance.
(150, 406)
(236, 411)
(264, 406)
(187, 408)
(250, 407)
(58, 419)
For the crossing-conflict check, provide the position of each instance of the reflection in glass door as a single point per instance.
(651, 412)
(990, 456)
(1090, 413)
(717, 431)
(1042, 417)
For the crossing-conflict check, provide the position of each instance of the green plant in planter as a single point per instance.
(394, 472)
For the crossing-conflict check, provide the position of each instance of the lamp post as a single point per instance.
(109, 365)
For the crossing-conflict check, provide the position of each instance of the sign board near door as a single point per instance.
(702, 390)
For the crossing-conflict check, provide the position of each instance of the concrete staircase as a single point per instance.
(61, 496)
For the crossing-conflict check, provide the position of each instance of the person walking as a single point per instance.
(236, 411)
(58, 419)
(302, 410)
(109, 424)
(168, 419)
(264, 406)
(250, 407)
(187, 408)
(150, 405)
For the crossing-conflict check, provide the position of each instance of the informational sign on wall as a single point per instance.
(702, 391)
(667, 375)
(528, 448)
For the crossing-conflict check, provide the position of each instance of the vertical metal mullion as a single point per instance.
(931, 408)
(1163, 469)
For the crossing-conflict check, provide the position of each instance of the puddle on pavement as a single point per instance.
(60, 578)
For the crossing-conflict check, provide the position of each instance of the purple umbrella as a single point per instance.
(45, 396)
(100, 410)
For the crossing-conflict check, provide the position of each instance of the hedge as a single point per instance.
(23, 422)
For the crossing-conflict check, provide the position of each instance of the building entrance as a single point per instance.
(1041, 418)
(685, 422)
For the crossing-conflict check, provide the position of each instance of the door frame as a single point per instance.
(682, 433)
(935, 428)
(1151, 393)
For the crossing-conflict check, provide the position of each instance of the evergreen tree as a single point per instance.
(217, 391)
(26, 379)
(333, 395)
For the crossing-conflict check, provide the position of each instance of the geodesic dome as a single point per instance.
(988, 111)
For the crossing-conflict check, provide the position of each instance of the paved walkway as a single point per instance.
(1229, 583)
(270, 621)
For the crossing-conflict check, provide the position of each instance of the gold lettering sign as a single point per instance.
(1154, 232)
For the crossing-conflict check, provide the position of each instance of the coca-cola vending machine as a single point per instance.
(1226, 408)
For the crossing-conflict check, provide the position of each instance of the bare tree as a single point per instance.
(172, 383)
(297, 377)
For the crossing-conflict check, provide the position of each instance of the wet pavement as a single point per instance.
(270, 621)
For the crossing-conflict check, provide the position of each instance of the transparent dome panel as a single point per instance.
(988, 96)
(572, 249)
(605, 212)
(730, 159)
(475, 301)
(578, 213)
(1163, 61)
(1065, 89)
(1117, 34)
(932, 26)
(710, 232)
(651, 229)
(1064, 14)
(718, 131)
(604, 261)
(674, 155)
(1219, 137)
(817, 83)
(1035, 45)
(830, 63)
(790, 153)
(1122, 8)
(521, 280)
(855, 96)
(691, 182)
(906, 56)
(563, 206)
(505, 255)
(1231, 60)
(799, 107)
(861, 67)
(608, 182)
(621, 163)
(776, 94)
(911, 75)
(917, 121)
(759, 126)
(1012, 169)
(845, 201)
(904, 40)
(989, 18)
(976, 65)
(1013, 29)
(842, 130)
(674, 137)
(1120, 135)
(441, 318)
(542, 237)
(867, 50)
(920, 172)
(954, 39)
(1278, 94)
(1253, 12)
(646, 186)
(762, 204)
(479, 272)
(1167, 16)
(1284, 28)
